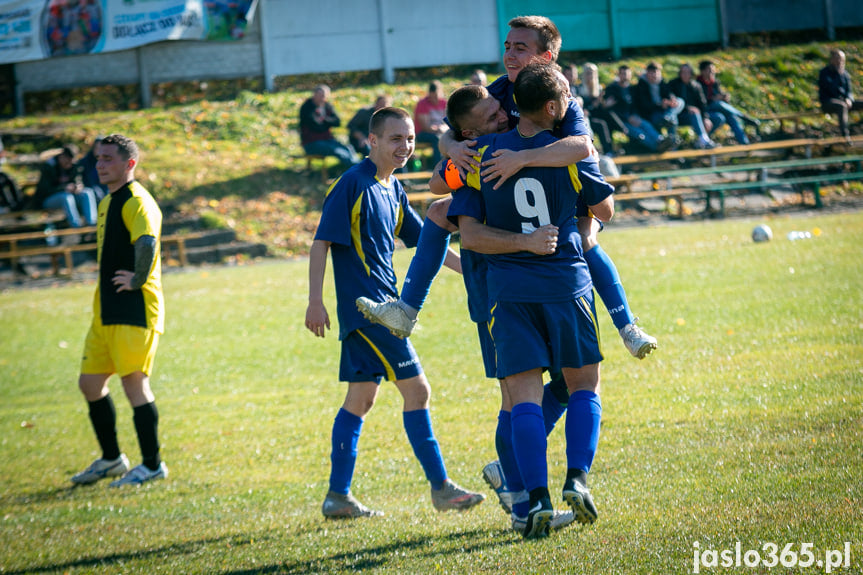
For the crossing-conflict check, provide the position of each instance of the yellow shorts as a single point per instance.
(120, 349)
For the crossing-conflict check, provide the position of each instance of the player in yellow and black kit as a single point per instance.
(128, 317)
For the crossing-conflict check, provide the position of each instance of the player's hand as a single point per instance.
(501, 166)
(462, 155)
(542, 241)
(123, 280)
(317, 319)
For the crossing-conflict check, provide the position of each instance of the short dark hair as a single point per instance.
(549, 35)
(126, 146)
(704, 64)
(461, 104)
(379, 118)
(69, 150)
(653, 66)
(537, 84)
(622, 67)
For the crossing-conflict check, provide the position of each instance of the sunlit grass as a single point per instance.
(745, 425)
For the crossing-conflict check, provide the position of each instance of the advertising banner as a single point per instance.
(37, 29)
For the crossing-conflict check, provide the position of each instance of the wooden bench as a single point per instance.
(760, 167)
(322, 160)
(15, 251)
(794, 118)
(807, 143)
(30, 220)
(815, 181)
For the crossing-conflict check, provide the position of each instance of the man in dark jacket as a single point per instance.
(834, 91)
(687, 89)
(654, 100)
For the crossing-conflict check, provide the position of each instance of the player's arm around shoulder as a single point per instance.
(317, 318)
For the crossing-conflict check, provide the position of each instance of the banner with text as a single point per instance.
(37, 29)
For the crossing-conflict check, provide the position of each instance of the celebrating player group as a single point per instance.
(522, 185)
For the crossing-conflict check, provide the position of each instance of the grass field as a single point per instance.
(745, 426)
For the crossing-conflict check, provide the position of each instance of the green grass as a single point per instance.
(745, 425)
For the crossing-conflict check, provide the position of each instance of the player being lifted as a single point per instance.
(530, 39)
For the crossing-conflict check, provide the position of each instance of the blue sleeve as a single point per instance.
(335, 223)
(573, 123)
(466, 202)
(409, 230)
(594, 188)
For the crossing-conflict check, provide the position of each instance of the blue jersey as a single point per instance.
(573, 123)
(361, 217)
(533, 198)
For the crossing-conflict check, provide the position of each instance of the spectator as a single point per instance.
(619, 100)
(719, 110)
(655, 101)
(834, 91)
(358, 127)
(60, 187)
(89, 175)
(478, 78)
(570, 72)
(429, 118)
(689, 91)
(317, 118)
(10, 194)
(601, 121)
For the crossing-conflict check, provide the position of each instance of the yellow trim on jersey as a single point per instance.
(491, 315)
(473, 179)
(356, 233)
(391, 374)
(573, 175)
(583, 303)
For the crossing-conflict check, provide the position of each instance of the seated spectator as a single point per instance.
(10, 194)
(358, 127)
(689, 91)
(655, 101)
(719, 110)
(834, 91)
(60, 187)
(429, 118)
(570, 72)
(601, 122)
(478, 78)
(619, 100)
(317, 118)
(89, 175)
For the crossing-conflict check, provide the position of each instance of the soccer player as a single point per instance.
(542, 313)
(363, 212)
(128, 317)
(530, 39)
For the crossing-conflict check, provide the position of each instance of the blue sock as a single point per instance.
(419, 429)
(505, 453)
(529, 444)
(606, 282)
(426, 263)
(346, 435)
(582, 429)
(555, 398)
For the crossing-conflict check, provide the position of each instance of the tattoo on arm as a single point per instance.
(145, 254)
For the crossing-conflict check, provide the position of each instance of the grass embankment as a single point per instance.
(744, 426)
(240, 157)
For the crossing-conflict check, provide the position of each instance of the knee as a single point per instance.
(437, 213)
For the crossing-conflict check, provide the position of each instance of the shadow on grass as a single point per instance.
(184, 548)
(379, 556)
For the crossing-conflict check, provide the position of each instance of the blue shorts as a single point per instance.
(545, 335)
(486, 345)
(372, 353)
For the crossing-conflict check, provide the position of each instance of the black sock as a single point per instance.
(104, 419)
(147, 424)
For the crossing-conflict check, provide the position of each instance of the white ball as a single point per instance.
(762, 233)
